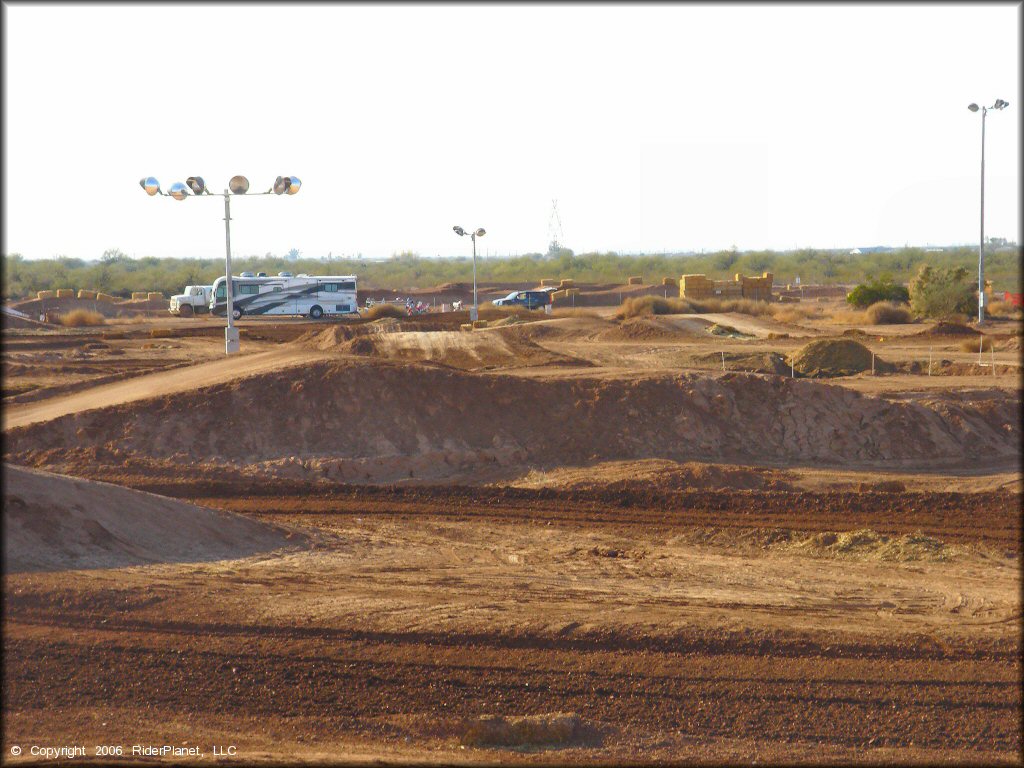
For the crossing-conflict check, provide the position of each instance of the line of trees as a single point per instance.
(118, 274)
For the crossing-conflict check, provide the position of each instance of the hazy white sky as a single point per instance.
(655, 127)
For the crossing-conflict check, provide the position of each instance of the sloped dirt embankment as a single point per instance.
(338, 418)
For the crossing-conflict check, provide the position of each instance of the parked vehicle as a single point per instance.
(309, 295)
(529, 299)
(194, 300)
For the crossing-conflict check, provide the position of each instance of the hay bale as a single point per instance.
(558, 295)
(836, 357)
(153, 295)
(84, 294)
(572, 291)
(479, 324)
(567, 283)
(546, 282)
(139, 295)
(669, 281)
(65, 293)
(104, 297)
(637, 280)
(161, 333)
(45, 294)
(466, 327)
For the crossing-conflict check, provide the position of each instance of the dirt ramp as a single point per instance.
(54, 523)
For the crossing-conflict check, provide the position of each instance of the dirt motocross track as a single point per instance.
(561, 541)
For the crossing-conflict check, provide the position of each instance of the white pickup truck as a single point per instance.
(195, 299)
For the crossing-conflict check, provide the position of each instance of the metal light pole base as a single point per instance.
(230, 340)
(474, 314)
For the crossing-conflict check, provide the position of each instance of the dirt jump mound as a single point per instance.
(54, 523)
(356, 420)
(501, 347)
(835, 357)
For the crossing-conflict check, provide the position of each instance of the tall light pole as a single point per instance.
(1000, 104)
(239, 185)
(474, 313)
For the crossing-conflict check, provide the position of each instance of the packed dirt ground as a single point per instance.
(568, 538)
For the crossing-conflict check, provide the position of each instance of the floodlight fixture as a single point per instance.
(238, 185)
(999, 104)
(474, 313)
(178, 191)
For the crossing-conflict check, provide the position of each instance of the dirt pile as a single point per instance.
(836, 357)
(657, 473)
(52, 522)
(945, 328)
(361, 421)
(504, 346)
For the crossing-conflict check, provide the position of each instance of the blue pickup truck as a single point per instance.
(529, 299)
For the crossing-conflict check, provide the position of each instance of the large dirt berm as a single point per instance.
(351, 420)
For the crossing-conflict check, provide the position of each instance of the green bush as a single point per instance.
(874, 291)
(942, 292)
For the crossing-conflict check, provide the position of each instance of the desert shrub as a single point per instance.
(942, 292)
(876, 290)
(77, 318)
(982, 343)
(377, 311)
(887, 313)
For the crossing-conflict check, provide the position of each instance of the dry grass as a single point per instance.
(1004, 310)
(573, 312)
(655, 305)
(377, 311)
(981, 343)
(554, 730)
(793, 314)
(887, 313)
(78, 318)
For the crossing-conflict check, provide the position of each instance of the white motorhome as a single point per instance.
(192, 301)
(312, 295)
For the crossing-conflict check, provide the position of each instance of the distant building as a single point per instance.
(871, 249)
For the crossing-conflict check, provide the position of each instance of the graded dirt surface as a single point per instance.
(556, 539)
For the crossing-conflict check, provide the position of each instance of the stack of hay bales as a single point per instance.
(140, 295)
(104, 297)
(696, 287)
(669, 281)
(756, 288)
(65, 293)
(740, 287)
(84, 294)
(45, 294)
(637, 280)
(154, 295)
(567, 283)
